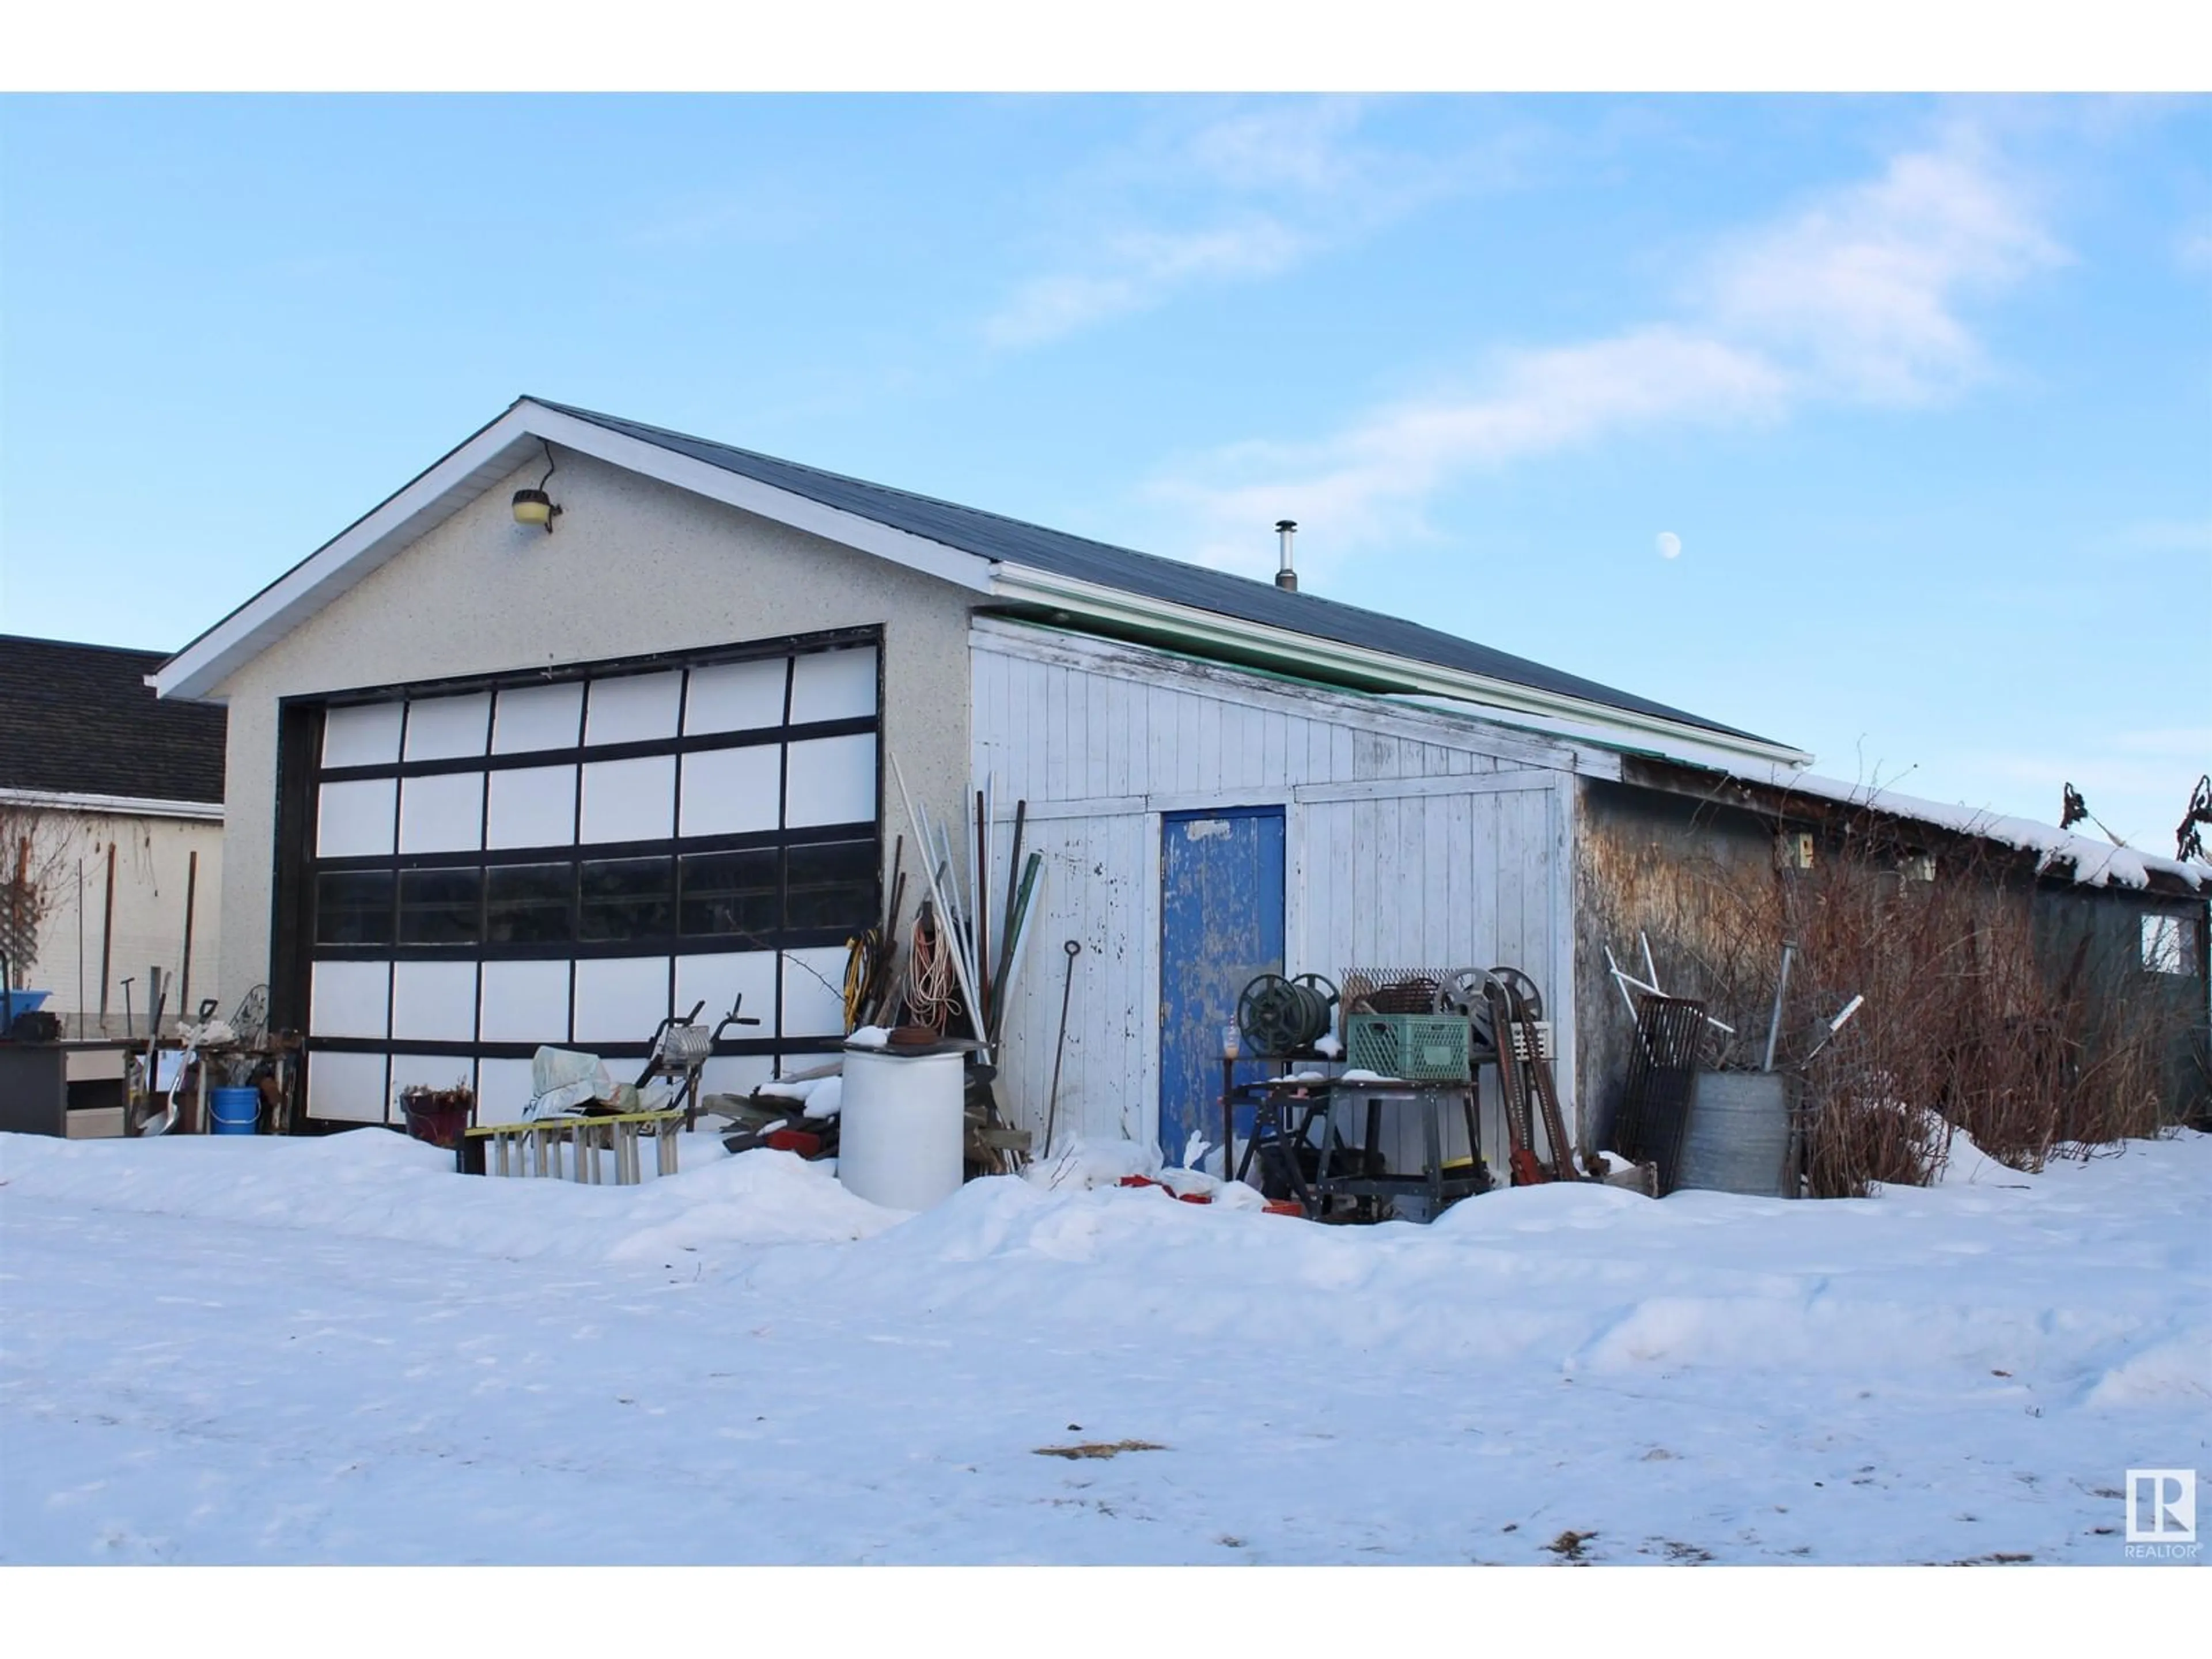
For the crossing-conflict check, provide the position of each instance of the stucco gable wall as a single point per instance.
(633, 565)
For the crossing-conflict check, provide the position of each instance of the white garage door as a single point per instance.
(567, 862)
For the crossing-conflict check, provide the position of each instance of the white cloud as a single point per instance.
(1669, 545)
(2171, 536)
(2194, 248)
(1862, 287)
(1302, 146)
(1854, 296)
(1372, 474)
(1136, 269)
(1263, 189)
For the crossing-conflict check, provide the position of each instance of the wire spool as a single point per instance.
(1464, 992)
(1279, 1015)
(1521, 986)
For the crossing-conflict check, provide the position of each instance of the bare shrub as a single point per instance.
(1966, 1025)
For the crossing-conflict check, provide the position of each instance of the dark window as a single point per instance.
(529, 903)
(729, 892)
(830, 884)
(440, 907)
(354, 907)
(627, 898)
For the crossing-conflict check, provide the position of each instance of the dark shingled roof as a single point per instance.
(992, 537)
(79, 720)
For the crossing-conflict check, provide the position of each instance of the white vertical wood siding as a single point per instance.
(1097, 891)
(1416, 838)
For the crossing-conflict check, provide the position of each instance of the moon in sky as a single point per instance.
(1670, 545)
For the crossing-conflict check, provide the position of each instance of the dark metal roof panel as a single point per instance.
(79, 720)
(991, 536)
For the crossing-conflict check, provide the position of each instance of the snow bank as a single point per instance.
(1081, 1165)
(1581, 1278)
(372, 1184)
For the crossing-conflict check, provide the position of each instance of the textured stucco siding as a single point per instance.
(633, 567)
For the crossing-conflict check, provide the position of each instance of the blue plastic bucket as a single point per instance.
(234, 1111)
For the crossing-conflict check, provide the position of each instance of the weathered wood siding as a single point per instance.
(1690, 879)
(1416, 839)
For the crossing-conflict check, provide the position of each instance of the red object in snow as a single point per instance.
(1195, 1198)
(1283, 1207)
(793, 1140)
(1138, 1181)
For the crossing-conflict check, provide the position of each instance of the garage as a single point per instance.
(564, 858)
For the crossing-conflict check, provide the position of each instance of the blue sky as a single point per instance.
(1924, 386)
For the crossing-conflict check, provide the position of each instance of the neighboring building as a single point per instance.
(492, 787)
(111, 802)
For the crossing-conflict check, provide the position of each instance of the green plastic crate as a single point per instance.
(1418, 1048)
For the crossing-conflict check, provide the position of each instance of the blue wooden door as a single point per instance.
(1221, 922)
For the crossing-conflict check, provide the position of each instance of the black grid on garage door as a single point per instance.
(535, 859)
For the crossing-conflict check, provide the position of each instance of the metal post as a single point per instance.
(80, 948)
(191, 891)
(107, 946)
(1781, 989)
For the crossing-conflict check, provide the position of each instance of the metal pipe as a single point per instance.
(107, 946)
(1286, 577)
(1019, 937)
(1074, 949)
(959, 961)
(1781, 989)
(191, 892)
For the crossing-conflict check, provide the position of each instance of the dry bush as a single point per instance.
(1964, 1026)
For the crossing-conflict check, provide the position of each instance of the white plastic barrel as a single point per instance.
(901, 1127)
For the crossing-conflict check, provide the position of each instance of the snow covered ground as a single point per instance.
(270, 1351)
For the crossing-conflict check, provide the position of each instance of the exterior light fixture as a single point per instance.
(535, 506)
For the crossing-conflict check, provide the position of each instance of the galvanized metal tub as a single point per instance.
(1738, 1137)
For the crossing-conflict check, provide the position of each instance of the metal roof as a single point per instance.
(992, 536)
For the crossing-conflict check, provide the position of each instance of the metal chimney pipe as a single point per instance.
(1286, 578)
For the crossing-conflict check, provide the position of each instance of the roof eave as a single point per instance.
(138, 806)
(1026, 584)
(462, 475)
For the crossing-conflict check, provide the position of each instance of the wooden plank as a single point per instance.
(1274, 747)
(1161, 702)
(1139, 1107)
(1320, 739)
(1470, 783)
(1482, 872)
(1457, 883)
(1508, 855)
(1565, 1048)
(1451, 727)
(1053, 752)
(1440, 926)
(1190, 773)
(1341, 749)
(1118, 713)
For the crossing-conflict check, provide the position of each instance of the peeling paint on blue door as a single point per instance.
(1221, 922)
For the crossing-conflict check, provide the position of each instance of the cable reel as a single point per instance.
(1279, 1015)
